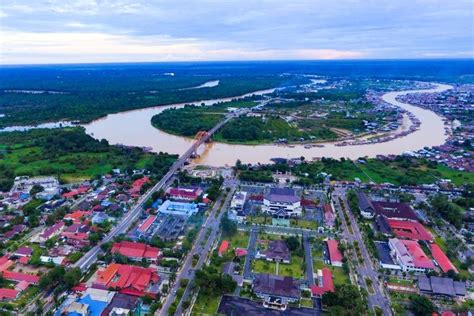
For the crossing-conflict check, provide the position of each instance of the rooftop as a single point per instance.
(409, 229)
(276, 285)
(394, 210)
(278, 250)
(135, 250)
(443, 261)
(282, 195)
(334, 254)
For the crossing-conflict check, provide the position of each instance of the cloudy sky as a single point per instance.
(64, 31)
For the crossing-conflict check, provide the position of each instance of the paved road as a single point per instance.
(367, 269)
(247, 273)
(308, 260)
(187, 271)
(278, 230)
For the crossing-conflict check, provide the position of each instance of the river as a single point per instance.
(134, 128)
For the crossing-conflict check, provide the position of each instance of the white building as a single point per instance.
(282, 202)
(409, 255)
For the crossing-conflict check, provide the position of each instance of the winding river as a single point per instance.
(134, 128)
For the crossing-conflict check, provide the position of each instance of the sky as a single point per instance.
(83, 31)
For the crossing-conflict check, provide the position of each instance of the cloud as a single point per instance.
(153, 30)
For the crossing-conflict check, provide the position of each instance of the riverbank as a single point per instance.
(134, 128)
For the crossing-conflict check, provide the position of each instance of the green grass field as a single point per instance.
(239, 240)
(206, 305)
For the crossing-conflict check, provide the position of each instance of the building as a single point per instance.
(223, 248)
(184, 193)
(385, 258)
(178, 208)
(282, 202)
(329, 216)
(51, 232)
(441, 286)
(366, 207)
(409, 229)
(127, 279)
(277, 251)
(409, 255)
(442, 260)
(394, 210)
(335, 256)
(325, 283)
(145, 229)
(8, 294)
(276, 291)
(136, 251)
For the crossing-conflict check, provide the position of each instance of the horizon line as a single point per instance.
(244, 61)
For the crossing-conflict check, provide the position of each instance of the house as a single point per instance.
(409, 255)
(223, 248)
(178, 208)
(394, 210)
(145, 228)
(51, 232)
(93, 302)
(23, 251)
(19, 276)
(282, 202)
(184, 193)
(127, 279)
(121, 304)
(8, 294)
(335, 256)
(366, 207)
(442, 260)
(277, 251)
(325, 283)
(77, 216)
(136, 251)
(276, 291)
(329, 216)
(438, 286)
(409, 229)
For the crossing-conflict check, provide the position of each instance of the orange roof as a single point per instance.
(77, 215)
(223, 248)
(124, 276)
(105, 276)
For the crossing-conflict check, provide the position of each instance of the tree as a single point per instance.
(345, 300)
(36, 189)
(293, 243)
(421, 305)
(229, 228)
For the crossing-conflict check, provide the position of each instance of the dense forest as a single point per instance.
(44, 95)
(70, 154)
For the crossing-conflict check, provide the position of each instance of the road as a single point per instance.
(367, 269)
(309, 260)
(280, 230)
(187, 271)
(250, 253)
(91, 256)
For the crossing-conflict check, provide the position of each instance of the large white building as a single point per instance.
(282, 202)
(409, 255)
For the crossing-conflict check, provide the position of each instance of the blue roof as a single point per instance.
(95, 307)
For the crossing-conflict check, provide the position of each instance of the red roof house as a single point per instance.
(128, 279)
(325, 283)
(5, 263)
(184, 193)
(147, 223)
(77, 216)
(443, 261)
(335, 256)
(8, 294)
(409, 230)
(18, 277)
(240, 252)
(223, 247)
(136, 251)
